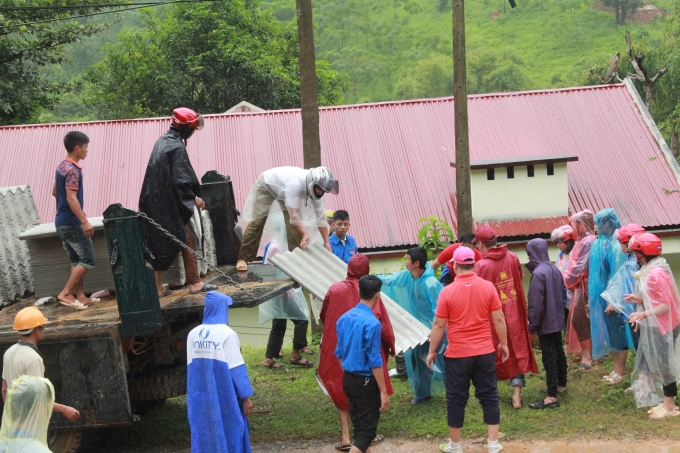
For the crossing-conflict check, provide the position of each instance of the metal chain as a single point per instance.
(198, 257)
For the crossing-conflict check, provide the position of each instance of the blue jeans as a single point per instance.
(78, 247)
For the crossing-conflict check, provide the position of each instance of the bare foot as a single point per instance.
(83, 299)
(196, 286)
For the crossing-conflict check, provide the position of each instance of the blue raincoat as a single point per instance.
(605, 259)
(217, 383)
(622, 283)
(419, 298)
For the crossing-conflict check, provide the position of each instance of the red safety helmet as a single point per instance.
(563, 233)
(626, 232)
(647, 243)
(184, 116)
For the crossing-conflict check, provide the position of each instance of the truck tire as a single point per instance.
(158, 385)
(64, 440)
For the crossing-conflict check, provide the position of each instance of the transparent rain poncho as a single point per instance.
(608, 331)
(26, 415)
(283, 188)
(291, 304)
(658, 356)
(623, 283)
(576, 280)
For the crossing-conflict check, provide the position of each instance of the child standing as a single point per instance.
(72, 225)
(343, 245)
(547, 296)
(359, 351)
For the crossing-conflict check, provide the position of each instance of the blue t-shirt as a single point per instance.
(343, 251)
(69, 176)
(359, 336)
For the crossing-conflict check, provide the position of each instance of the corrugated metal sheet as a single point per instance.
(316, 269)
(392, 159)
(17, 213)
(515, 228)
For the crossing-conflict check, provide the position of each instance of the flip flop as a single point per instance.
(301, 361)
(94, 300)
(206, 287)
(661, 412)
(77, 305)
(241, 266)
(651, 411)
(341, 447)
(583, 367)
(166, 293)
(377, 439)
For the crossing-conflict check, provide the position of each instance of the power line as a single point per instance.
(83, 6)
(138, 6)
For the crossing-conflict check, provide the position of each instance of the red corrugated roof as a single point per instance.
(392, 159)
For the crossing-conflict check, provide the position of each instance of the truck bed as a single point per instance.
(262, 281)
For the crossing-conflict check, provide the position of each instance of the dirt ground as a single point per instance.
(431, 446)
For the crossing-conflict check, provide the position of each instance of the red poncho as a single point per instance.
(503, 269)
(340, 298)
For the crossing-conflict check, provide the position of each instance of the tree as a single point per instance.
(27, 46)
(207, 56)
(623, 8)
(432, 77)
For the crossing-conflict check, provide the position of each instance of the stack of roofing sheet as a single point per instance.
(17, 214)
(176, 276)
(316, 269)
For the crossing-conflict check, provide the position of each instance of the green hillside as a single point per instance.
(402, 48)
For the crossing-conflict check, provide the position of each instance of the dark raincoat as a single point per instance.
(341, 298)
(168, 193)
(547, 293)
(503, 269)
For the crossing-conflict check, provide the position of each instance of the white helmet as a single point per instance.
(322, 177)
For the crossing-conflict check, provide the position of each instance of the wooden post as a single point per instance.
(463, 190)
(311, 143)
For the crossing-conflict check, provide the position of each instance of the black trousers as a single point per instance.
(363, 395)
(278, 333)
(554, 361)
(481, 370)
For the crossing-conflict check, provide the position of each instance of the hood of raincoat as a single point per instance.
(27, 411)
(607, 215)
(358, 266)
(537, 250)
(583, 223)
(216, 308)
(497, 253)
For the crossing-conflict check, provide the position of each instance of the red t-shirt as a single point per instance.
(447, 254)
(466, 304)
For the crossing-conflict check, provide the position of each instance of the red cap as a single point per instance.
(463, 255)
(485, 235)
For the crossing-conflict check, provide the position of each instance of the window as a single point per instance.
(530, 171)
(511, 172)
(490, 176)
(551, 169)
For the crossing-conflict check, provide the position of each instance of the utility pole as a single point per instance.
(311, 143)
(463, 190)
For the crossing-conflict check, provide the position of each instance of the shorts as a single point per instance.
(78, 247)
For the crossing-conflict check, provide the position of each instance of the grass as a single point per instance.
(289, 406)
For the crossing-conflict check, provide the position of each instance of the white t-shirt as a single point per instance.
(20, 360)
(288, 184)
(216, 342)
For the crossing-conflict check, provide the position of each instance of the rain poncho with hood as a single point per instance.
(26, 416)
(622, 283)
(287, 187)
(605, 259)
(217, 383)
(576, 280)
(658, 355)
(547, 293)
(419, 297)
(503, 269)
(341, 298)
(291, 304)
(168, 193)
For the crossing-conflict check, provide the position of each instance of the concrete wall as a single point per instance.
(506, 199)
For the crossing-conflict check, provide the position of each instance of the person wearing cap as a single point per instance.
(170, 196)
(331, 222)
(565, 239)
(622, 337)
(445, 257)
(502, 268)
(416, 290)
(464, 309)
(577, 335)
(299, 194)
(218, 386)
(657, 316)
(343, 244)
(24, 357)
(547, 295)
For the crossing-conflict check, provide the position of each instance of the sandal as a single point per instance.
(341, 447)
(166, 293)
(77, 305)
(613, 378)
(306, 350)
(521, 403)
(272, 365)
(241, 266)
(660, 406)
(301, 361)
(583, 367)
(377, 439)
(206, 287)
(661, 412)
